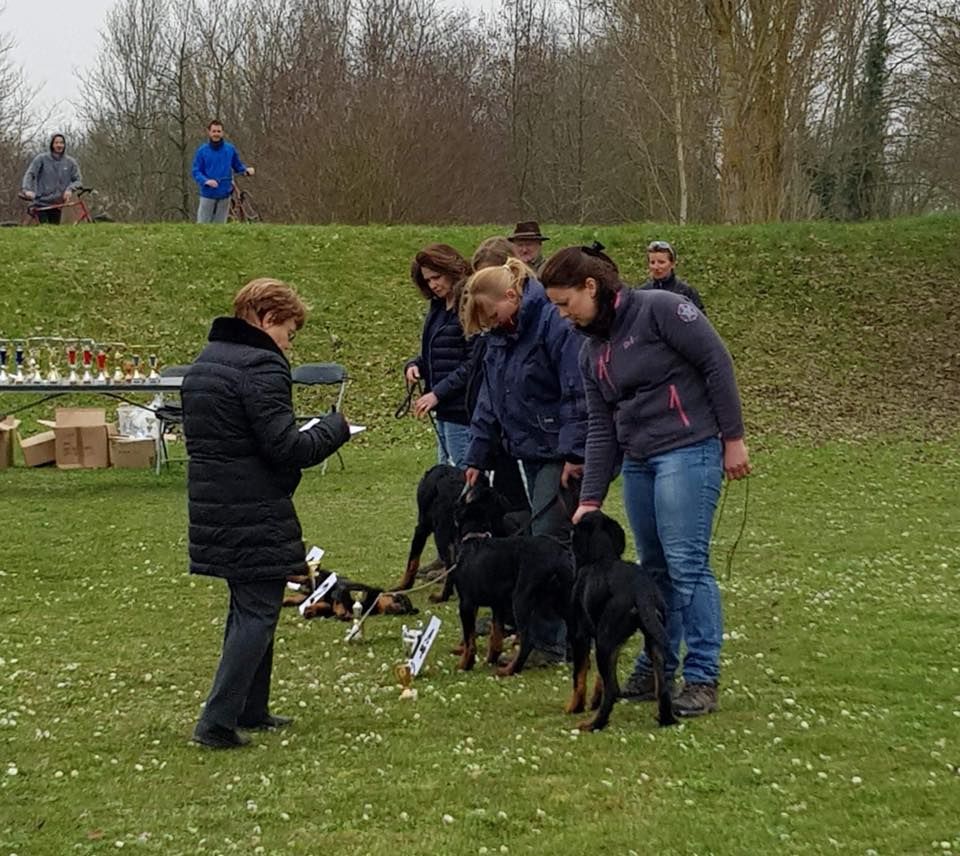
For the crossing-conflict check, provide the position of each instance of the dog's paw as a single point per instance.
(507, 671)
(588, 724)
(575, 705)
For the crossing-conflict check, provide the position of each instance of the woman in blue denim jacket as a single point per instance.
(531, 402)
(661, 393)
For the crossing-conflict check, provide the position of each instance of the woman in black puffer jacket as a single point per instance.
(439, 271)
(246, 455)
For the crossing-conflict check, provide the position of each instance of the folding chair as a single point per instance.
(168, 415)
(324, 374)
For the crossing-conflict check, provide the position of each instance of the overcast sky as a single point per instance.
(57, 40)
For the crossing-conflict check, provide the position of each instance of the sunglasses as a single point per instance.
(660, 247)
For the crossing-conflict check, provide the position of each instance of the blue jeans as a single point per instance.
(453, 449)
(670, 501)
(213, 210)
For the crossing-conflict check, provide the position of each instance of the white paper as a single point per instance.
(315, 554)
(426, 641)
(308, 425)
(356, 429)
(293, 586)
(322, 589)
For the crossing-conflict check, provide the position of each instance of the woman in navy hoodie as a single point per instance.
(443, 364)
(661, 393)
(531, 404)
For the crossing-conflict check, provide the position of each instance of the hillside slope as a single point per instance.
(837, 330)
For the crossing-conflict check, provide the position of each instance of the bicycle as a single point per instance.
(242, 209)
(31, 215)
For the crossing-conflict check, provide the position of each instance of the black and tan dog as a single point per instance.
(437, 495)
(516, 575)
(338, 602)
(612, 600)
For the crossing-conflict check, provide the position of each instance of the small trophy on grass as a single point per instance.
(18, 375)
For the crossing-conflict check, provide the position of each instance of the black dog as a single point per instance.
(516, 576)
(437, 496)
(338, 602)
(612, 599)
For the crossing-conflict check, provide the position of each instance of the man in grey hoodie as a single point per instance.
(51, 179)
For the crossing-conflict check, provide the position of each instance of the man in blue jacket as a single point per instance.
(214, 165)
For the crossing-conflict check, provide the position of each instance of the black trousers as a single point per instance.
(241, 687)
(51, 217)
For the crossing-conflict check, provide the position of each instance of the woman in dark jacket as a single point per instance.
(531, 403)
(439, 271)
(246, 455)
(661, 393)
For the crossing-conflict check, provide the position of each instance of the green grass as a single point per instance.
(841, 689)
(840, 696)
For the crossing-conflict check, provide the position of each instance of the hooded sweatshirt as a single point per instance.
(49, 176)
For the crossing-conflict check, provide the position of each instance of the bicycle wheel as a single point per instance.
(249, 212)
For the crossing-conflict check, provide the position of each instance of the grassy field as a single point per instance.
(841, 688)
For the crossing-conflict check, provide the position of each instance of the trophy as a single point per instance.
(87, 363)
(404, 675)
(153, 361)
(18, 376)
(53, 355)
(102, 366)
(72, 376)
(34, 375)
(4, 377)
(117, 348)
(135, 374)
(355, 633)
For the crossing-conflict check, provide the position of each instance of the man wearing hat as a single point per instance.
(528, 243)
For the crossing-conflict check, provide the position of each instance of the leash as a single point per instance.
(406, 406)
(743, 523)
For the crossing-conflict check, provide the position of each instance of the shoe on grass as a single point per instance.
(696, 700)
(271, 723)
(539, 659)
(640, 686)
(218, 737)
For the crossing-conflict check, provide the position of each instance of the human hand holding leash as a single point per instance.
(471, 476)
(412, 374)
(424, 404)
(736, 459)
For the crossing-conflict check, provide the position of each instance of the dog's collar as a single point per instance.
(473, 536)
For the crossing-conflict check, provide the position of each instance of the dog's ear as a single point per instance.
(614, 531)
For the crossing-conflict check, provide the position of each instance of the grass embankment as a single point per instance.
(838, 732)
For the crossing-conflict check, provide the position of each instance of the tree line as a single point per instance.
(566, 110)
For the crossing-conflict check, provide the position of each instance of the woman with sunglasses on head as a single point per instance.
(661, 393)
(531, 404)
(662, 265)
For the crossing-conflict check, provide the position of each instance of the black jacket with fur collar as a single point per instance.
(246, 455)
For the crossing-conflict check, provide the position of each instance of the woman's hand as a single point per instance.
(424, 404)
(471, 475)
(581, 511)
(571, 471)
(412, 374)
(736, 459)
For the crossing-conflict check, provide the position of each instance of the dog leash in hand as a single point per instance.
(406, 406)
(743, 523)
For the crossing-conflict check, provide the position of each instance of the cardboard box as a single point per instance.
(39, 449)
(81, 438)
(132, 452)
(7, 428)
